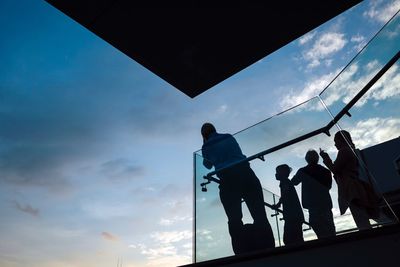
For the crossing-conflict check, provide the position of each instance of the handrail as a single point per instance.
(325, 129)
(218, 181)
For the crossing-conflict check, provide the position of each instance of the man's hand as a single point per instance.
(323, 154)
(275, 206)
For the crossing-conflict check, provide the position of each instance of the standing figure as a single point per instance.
(351, 190)
(292, 211)
(316, 181)
(237, 182)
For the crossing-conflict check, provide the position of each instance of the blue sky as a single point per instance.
(96, 151)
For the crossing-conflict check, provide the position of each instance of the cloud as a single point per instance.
(307, 38)
(174, 220)
(109, 237)
(326, 45)
(171, 236)
(27, 209)
(175, 260)
(171, 249)
(387, 86)
(310, 90)
(372, 131)
(347, 85)
(122, 169)
(359, 42)
(382, 11)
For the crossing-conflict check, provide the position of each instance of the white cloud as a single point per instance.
(167, 251)
(203, 234)
(374, 131)
(388, 86)
(173, 260)
(310, 90)
(153, 253)
(357, 38)
(171, 236)
(359, 42)
(324, 46)
(347, 85)
(307, 37)
(382, 11)
(173, 220)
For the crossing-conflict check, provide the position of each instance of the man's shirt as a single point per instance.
(316, 183)
(221, 150)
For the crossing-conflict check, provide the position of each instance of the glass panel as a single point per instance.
(363, 67)
(312, 189)
(212, 236)
(374, 127)
(285, 126)
(361, 193)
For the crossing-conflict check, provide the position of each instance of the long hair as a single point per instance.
(345, 137)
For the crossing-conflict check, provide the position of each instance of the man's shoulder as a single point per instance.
(302, 169)
(224, 135)
(323, 169)
(215, 138)
(315, 170)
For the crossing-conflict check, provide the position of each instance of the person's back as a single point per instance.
(221, 150)
(316, 182)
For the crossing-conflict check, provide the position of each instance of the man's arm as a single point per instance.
(207, 163)
(277, 205)
(326, 160)
(297, 178)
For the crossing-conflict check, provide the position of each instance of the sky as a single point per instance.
(96, 152)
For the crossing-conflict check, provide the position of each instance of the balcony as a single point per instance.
(360, 99)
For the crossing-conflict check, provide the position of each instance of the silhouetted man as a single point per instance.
(238, 181)
(316, 182)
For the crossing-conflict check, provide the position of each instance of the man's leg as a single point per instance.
(293, 232)
(254, 199)
(232, 203)
(322, 223)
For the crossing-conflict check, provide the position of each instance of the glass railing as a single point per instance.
(363, 99)
(359, 72)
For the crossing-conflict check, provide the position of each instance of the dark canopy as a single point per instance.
(194, 44)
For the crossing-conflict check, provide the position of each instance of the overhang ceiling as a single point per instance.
(194, 45)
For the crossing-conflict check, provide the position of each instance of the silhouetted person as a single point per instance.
(351, 193)
(237, 182)
(292, 211)
(316, 181)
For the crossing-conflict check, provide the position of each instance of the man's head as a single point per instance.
(282, 172)
(207, 129)
(312, 157)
